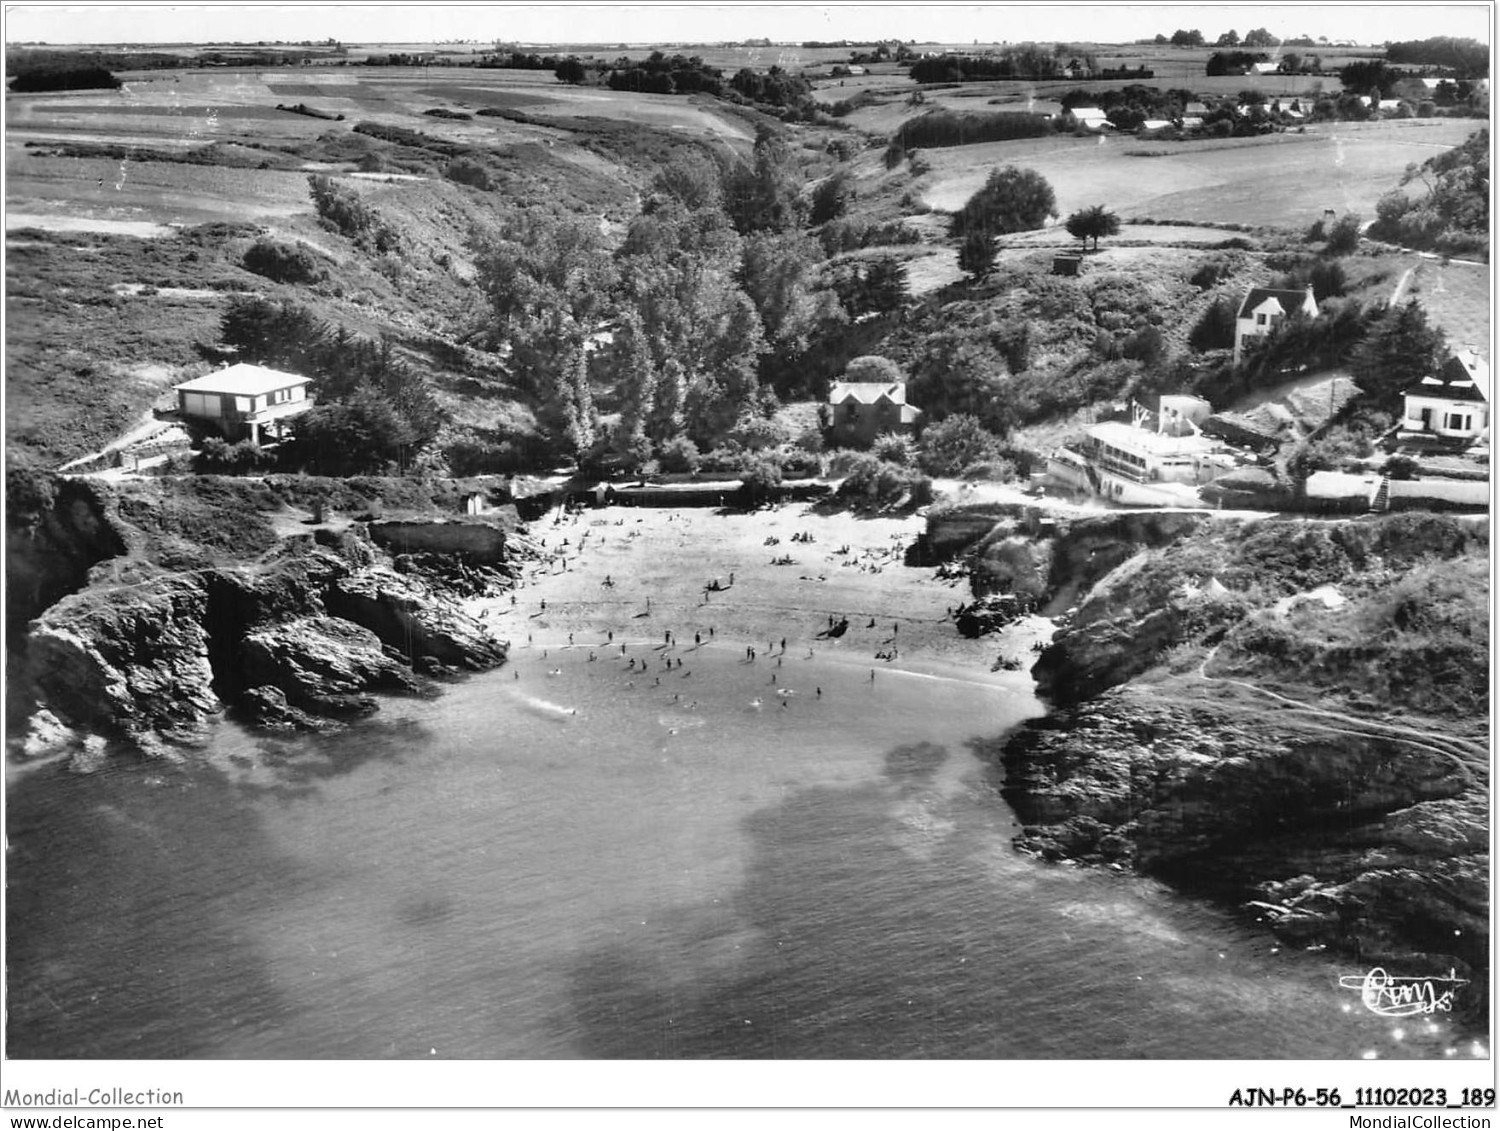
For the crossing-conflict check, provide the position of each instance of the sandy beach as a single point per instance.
(632, 575)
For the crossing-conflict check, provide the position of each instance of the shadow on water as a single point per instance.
(296, 766)
(892, 920)
(114, 952)
(842, 942)
(916, 763)
(128, 891)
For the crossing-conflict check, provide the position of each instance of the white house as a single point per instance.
(243, 399)
(1134, 465)
(1453, 404)
(1150, 125)
(1265, 68)
(1088, 117)
(1263, 307)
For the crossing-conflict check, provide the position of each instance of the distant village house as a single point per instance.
(1088, 118)
(244, 399)
(1264, 307)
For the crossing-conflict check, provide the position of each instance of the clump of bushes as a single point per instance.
(220, 457)
(283, 262)
(873, 481)
(466, 171)
(342, 209)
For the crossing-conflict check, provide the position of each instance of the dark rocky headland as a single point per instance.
(1291, 716)
(139, 612)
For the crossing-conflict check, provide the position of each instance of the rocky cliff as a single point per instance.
(1215, 727)
(293, 640)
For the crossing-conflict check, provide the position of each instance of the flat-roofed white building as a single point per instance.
(244, 399)
(1136, 466)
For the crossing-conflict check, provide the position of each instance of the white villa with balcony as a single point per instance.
(243, 399)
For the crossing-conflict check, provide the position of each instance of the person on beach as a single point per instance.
(872, 675)
(697, 638)
(820, 693)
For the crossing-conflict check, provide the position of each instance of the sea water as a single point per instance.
(573, 857)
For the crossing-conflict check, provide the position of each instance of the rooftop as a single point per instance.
(1290, 300)
(1118, 434)
(1463, 377)
(243, 380)
(867, 392)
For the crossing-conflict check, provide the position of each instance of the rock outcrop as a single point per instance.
(1300, 801)
(1373, 843)
(302, 635)
(323, 665)
(130, 663)
(408, 617)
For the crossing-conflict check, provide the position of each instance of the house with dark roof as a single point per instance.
(243, 399)
(862, 410)
(1453, 404)
(1264, 307)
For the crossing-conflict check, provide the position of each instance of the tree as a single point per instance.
(1399, 350)
(1093, 222)
(1343, 237)
(1215, 329)
(766, 195)
(830, 199)
(1230, 38)
(571, 71)
(884, 285)
(960, 371)
(874, 369)
(976, 256)
(801, 314)
(364, 434)
(1260, 37)
(1012, 200)
(956, 443)
(1181, 38)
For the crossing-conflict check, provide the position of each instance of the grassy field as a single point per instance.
(1283, 180)
(134, 308)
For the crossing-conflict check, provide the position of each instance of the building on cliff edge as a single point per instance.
(1156, 459)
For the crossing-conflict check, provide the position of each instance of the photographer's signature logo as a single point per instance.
(1390, 996)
